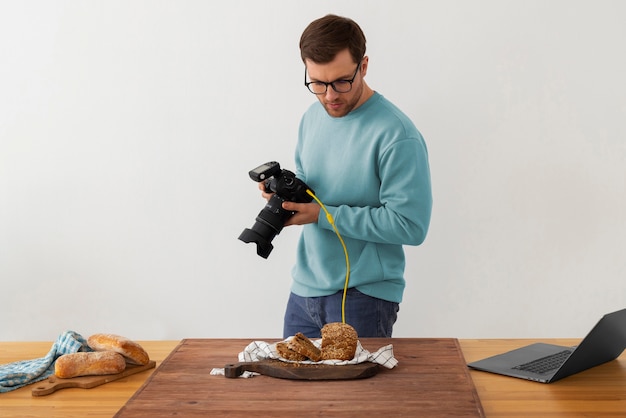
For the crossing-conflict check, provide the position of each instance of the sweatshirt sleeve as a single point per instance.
(403, 215)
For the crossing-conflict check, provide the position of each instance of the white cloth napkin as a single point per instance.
(261, 350)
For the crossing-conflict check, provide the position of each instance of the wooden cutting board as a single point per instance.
(299, 371)
(53, 383)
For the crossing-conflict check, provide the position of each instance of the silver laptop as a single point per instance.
(547, 363)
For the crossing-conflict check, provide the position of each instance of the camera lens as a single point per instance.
(269, 223)
(263, 246)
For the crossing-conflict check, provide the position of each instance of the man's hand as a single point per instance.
(306, 213)
(267, 196)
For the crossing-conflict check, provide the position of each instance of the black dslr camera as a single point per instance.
(271, 220)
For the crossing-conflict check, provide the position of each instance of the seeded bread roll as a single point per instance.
(89, 364)
(338, 341)
(287, 353)
(302, 345)
(133, 352)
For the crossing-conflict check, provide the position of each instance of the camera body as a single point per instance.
(285, 186)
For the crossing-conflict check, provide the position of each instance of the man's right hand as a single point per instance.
(267, 196)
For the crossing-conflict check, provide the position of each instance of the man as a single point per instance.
(369, 166)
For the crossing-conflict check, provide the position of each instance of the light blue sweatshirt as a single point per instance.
(370, 169)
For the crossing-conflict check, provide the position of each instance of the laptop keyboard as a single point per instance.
(545, 364)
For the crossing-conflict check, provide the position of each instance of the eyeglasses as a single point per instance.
(340, 86)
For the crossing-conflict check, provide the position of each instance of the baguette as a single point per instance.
(132, 351)
(89, 364)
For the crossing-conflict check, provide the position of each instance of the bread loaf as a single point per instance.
(302, 345)
(132, 351)
(89, 363)
(339, 341)
(285, 352)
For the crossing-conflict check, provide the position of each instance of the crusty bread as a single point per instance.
(285, 352)
(132, 351)
(89, 363)
(339, 341)
(302, 345)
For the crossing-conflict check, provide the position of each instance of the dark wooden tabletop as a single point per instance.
(430, 380)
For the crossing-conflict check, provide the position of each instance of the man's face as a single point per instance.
(340, 68)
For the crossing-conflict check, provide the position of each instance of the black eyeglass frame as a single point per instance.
(332, 83)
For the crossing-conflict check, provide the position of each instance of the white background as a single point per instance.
(127, 129)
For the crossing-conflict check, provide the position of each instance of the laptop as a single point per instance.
(547, 363)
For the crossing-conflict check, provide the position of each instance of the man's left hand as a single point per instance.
(306, 213)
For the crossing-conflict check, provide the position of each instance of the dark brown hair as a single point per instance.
(325, 37)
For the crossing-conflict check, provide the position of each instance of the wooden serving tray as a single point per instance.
(300, 371)
(53, 383)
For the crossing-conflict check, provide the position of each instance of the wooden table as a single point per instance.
(599, 392)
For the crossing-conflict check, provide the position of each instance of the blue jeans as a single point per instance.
(370, 317)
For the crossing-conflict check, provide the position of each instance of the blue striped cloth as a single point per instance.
(21, 373)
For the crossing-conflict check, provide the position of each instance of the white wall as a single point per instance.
(127, 129)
